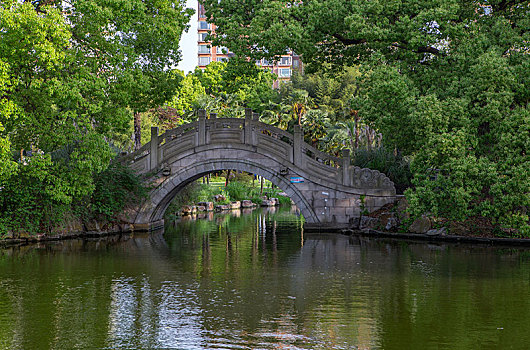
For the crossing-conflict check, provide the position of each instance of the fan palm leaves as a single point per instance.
(352, 134)
(315, 125)
(300, 102)
(276, 114)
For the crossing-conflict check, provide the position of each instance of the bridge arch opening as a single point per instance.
(154, 209)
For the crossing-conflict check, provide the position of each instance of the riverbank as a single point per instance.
(211, 216)
(9, 242)
(522, 242)
(201, 201)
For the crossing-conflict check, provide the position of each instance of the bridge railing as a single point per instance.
(138, 160)
(221, 130)
(249, 131)
(321, 157)
(176, 133)
(274, 132)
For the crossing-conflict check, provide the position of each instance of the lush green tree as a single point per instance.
(330, 91)
(225, 88)
(129, 46)
(189, 91)
(36, 87)
(93, 66)
(336, 31)
(212, 77)
(71, 73)
(251, 84)
(444, 81)
(7, 110)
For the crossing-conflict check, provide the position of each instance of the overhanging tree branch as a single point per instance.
(347, 41)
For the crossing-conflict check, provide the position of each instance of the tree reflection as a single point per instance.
(258, 281)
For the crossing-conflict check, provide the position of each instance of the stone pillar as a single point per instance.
(255, 131)
(346, 175)
(298, 139)
(153, 151)
(201, 138)
(248, 127)
(210, 126)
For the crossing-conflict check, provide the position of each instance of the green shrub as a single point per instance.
(243, 177)
(255, 196)
(284, 200)
(115, 188)
(192, 193)
(204, 193)
(238, 191)
(28, 201)
(275, 193)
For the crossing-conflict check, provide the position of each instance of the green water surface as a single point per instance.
(257, 281)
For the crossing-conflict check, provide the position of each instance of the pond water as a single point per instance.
(257, 281)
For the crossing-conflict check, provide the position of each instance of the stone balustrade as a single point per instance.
(228, 132)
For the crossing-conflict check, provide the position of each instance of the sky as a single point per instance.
(188, 42)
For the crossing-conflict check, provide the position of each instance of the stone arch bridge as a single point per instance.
(329, 191)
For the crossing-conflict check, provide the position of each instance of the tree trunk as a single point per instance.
(356, 119)
(261, 188)
(227, 177)
(137, 130)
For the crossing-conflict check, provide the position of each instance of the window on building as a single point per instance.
(202, 36)
(204, 49)
(222, 59)
(296, 63)
(201, 11)
(284, 72)
(266, 62)
(204, 25)
(285, 61)
(204, 61)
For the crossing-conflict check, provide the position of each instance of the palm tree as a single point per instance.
(341, 133)
(300, 102)
(347, 133)
(315, 123)
(276, 114)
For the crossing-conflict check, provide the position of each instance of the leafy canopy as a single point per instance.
(445, 81)
(70, 73)
(224, 88)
